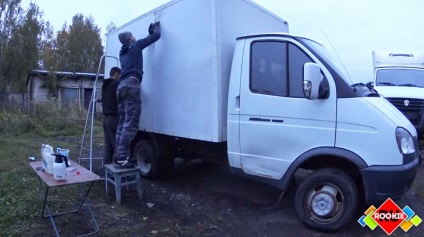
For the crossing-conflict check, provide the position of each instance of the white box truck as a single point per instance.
(226, 81)
(399, 77)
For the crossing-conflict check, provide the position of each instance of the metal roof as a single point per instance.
(70, 74)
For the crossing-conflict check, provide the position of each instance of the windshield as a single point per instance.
(359, 89)
(400, 77)
(323, 53)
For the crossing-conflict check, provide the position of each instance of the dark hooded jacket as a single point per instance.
(109, 101)
(131, 56)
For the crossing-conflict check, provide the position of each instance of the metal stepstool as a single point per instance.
(116, 176)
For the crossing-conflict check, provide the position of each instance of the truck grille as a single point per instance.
(411, 108)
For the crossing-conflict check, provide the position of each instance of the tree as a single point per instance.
(49, 58)
(84, 46)
(19, 36)
(27, 39)
(76, 48)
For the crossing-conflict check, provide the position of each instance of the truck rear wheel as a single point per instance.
(326, 200)
(151, 166)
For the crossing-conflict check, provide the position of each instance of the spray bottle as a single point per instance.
(59, 167)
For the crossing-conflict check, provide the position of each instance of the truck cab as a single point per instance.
(399, 77)
(291, 107)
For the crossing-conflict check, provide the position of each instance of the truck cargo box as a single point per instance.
(186, 72)
(397, 59)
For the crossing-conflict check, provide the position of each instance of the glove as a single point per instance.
(154, 27)
(151, 28)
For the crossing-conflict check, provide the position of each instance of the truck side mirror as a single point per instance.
(311, 80)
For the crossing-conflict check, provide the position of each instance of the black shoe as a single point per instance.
(125, 164)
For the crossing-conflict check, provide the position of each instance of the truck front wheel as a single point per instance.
(151, 166)
(326, 200)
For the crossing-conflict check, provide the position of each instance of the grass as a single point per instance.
(19, 187)
(22, 136)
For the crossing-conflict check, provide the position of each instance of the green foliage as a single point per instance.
(27, 42)
(44, 119)
(15, 123)
(84, 44)
(20, 31)
(76, 48)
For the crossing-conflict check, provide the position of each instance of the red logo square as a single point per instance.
(389, 216)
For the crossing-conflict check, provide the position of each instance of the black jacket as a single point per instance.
(109, 100)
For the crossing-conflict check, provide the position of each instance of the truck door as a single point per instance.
(277, 122)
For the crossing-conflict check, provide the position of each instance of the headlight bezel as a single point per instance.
(405, 141)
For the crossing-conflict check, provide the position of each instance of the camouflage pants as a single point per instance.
(129, 110)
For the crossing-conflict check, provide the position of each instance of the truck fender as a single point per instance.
(320, 151)
(163, 144)
(156, 139)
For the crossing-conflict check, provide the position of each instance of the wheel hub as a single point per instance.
(322, 204)
(143, 163)
(324, 201)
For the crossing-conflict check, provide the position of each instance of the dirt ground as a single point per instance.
(201, 199)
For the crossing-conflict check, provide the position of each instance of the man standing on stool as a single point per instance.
(128, 92)
(110, 113)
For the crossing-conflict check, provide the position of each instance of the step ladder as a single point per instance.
(89, 122)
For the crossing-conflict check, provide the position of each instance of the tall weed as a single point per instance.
(45, 118)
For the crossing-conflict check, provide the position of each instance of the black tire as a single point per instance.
(334, 195)
(151, 166)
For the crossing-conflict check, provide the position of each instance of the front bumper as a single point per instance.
(383, 182)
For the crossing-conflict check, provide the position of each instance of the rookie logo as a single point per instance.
(389, 217)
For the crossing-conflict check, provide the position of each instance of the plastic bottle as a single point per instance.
(48, 158)
(59, 168)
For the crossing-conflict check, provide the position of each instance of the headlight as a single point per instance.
(404, 141)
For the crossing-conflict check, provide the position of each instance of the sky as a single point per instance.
(349, 29)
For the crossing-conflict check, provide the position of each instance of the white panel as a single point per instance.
(367, 131)
(387, 59)
(233, 126)
(186, 72)
(249, 18)
(182, 68)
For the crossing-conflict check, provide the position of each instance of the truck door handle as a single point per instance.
(259, 119)
(237, 105)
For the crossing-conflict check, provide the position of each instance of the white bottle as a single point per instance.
(48, 158)
(59, 168)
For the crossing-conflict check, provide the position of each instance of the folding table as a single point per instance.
(79, 176)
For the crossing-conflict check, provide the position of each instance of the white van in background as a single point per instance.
(399, 77)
